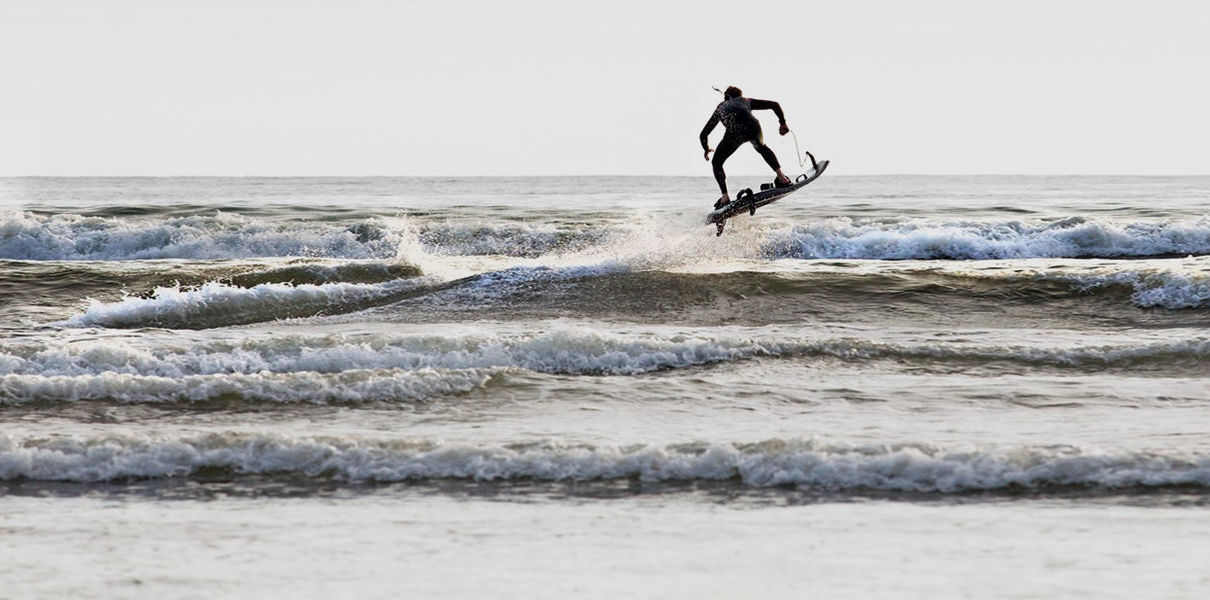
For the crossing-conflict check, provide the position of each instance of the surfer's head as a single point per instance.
(732, 92)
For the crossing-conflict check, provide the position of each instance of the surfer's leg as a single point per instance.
(767, 153)
(725, 149)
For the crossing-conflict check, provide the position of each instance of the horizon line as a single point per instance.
(584, 175)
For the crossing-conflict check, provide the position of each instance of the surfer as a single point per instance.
(735, 111)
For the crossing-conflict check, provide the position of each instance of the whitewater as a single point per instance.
(955, 386)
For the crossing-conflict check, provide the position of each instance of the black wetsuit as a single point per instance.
(742, 127)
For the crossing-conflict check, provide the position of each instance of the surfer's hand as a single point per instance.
(784, 129)
(707, 154)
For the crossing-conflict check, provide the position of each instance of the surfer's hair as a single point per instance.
(732, 92)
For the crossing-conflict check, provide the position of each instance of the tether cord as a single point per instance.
(799, 153)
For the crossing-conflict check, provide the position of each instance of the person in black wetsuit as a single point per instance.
(735, 111)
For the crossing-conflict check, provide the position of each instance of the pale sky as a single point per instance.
(459, 87)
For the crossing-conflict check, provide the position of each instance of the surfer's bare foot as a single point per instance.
(722, 201)
(781, 181)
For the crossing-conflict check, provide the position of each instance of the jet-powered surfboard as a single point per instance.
(747, 201)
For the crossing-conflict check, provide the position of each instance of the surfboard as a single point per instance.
(747, 202)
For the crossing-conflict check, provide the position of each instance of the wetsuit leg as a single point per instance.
(766, 152)
(725, 149)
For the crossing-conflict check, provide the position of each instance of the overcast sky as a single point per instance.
(458, 87)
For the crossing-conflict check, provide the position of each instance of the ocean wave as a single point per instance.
(217, 304)
(609, 290)
(354, 386)
(918, 239)
(572, 351)
(564, 351)
(1150, 288)
(1173, 284)
(61, 284)
(804, 464)
(29, 236)
(615, 288)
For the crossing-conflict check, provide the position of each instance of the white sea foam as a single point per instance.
(353, 386)
(1153, 288)
(1168, 283)
(29, 236)
(804, 463)
(44, 371)
(1054, 355)
(512, 239)
(573, 351)
(926, 239)
(215, 304)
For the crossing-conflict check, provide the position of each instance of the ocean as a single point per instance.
(880, 386)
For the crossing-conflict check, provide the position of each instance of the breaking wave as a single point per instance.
(354, 386)
(919, 239)
(805, 464)
(572, 351)
(217, 304)
(340, 368)
(1151, 289)
(31, 236)
(612, 290)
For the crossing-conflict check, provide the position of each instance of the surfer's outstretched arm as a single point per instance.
(776, 108)
(710, 125)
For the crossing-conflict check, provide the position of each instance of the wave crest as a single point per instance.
(216, 304)
(807, 464)
(355, 386)
(844, 238)
(30, 236)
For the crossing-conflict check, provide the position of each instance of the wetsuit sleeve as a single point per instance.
(769, 105)
(710, 125)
